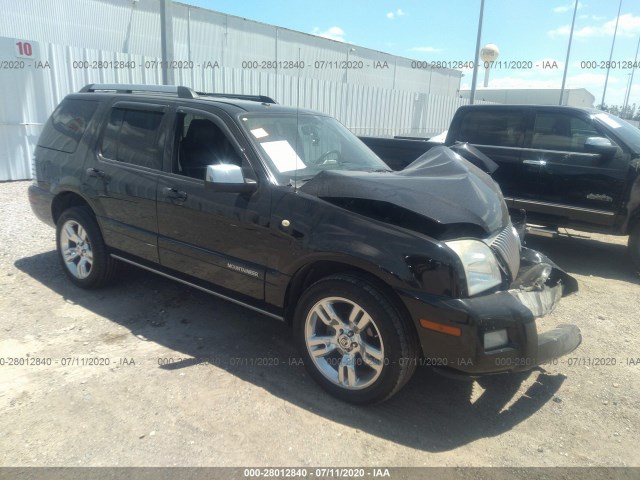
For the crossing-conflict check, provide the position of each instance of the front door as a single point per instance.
(212, 236)
(582, 186)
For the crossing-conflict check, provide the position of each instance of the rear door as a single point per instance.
(218, 237)
(499, 134)
(122, 179)
(577, 185)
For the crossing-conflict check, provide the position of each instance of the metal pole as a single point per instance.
(166, 39)
(626, 98)
(566, 63)
(615, 32)
(475, 64)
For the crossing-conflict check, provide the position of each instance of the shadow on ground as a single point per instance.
(431, 413)
(583, 255)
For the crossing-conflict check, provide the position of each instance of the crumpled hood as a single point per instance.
(439, 185)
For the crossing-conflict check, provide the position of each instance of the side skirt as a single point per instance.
(194, 285)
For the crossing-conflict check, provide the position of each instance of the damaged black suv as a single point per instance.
(286, 212)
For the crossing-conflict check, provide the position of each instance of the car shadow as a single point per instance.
(432, 412)
(584, 255)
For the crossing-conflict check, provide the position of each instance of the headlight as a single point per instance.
(480, 264)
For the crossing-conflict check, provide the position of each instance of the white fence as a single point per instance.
(34, 84)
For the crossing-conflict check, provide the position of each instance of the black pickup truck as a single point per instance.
(566, 166)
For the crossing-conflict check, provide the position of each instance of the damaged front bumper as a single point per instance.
(508, 315)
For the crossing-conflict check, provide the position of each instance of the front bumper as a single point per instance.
(534, 293)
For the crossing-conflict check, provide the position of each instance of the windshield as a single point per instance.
(310, 143)
(625, 131)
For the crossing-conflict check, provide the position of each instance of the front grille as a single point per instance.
(507, 245)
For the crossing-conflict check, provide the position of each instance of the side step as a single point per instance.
(542, 231)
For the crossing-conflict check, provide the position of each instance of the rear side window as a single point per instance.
(492, 127)
(67, 124)
(132, 136)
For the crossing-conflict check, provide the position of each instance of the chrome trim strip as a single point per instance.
(219, 295)
(523, 202)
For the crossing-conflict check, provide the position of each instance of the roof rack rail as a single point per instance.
(253, 98)
(182, 92)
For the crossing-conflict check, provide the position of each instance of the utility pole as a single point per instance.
(477, 59)
(566, 63)
(615, 32)
(635, 60)
(166, 38)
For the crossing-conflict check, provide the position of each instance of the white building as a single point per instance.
(575, 97)
(55, 48)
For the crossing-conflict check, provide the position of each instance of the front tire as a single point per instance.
(634, 245)
(81, 249)
(353, 341)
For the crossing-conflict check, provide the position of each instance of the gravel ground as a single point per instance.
(216, 405)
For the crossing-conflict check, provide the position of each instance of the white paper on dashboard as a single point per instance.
(259, 132)
(283, 155)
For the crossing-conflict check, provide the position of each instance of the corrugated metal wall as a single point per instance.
(394, 99)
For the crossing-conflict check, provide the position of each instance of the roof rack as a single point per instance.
(180, 91)
(253, 98)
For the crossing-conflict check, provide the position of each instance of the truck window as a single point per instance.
(131, 137)
(486, 127)
(67, 124)
(559, 131)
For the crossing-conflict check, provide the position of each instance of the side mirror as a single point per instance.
(600, 145)
(226, 177)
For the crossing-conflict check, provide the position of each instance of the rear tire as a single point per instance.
(634, 245)
(353, 341)
(81, 249)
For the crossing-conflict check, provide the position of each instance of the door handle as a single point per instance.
(174, 194)
(94, 172)
(535, 162)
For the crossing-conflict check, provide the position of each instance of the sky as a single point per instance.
(532, 31)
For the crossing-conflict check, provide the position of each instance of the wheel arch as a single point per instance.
(65, 200)
(314, 271)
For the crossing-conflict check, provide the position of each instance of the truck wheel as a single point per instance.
(353, 341)
(82, 251)
(634, 245)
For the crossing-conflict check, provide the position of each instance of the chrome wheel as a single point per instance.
(344, 343)
(76, 250)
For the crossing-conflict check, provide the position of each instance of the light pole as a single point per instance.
(566, 63)
(615, 32)
(474, 79)
(166, 41)
(626, 97)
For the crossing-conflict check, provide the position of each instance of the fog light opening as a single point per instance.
(495, 339)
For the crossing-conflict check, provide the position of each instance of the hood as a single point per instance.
(439, 185)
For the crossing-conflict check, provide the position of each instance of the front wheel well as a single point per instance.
(63, 201)
(310, 274)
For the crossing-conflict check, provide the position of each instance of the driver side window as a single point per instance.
(201, 142)
(558, 131)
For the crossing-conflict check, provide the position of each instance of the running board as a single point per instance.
(219, 295)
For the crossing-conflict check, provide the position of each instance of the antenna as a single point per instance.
(295, 174)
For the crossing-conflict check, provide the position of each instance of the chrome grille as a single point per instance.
(507, 245)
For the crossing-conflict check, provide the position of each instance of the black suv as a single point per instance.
(286, 212)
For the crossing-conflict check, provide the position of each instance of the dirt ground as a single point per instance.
(95, 385)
